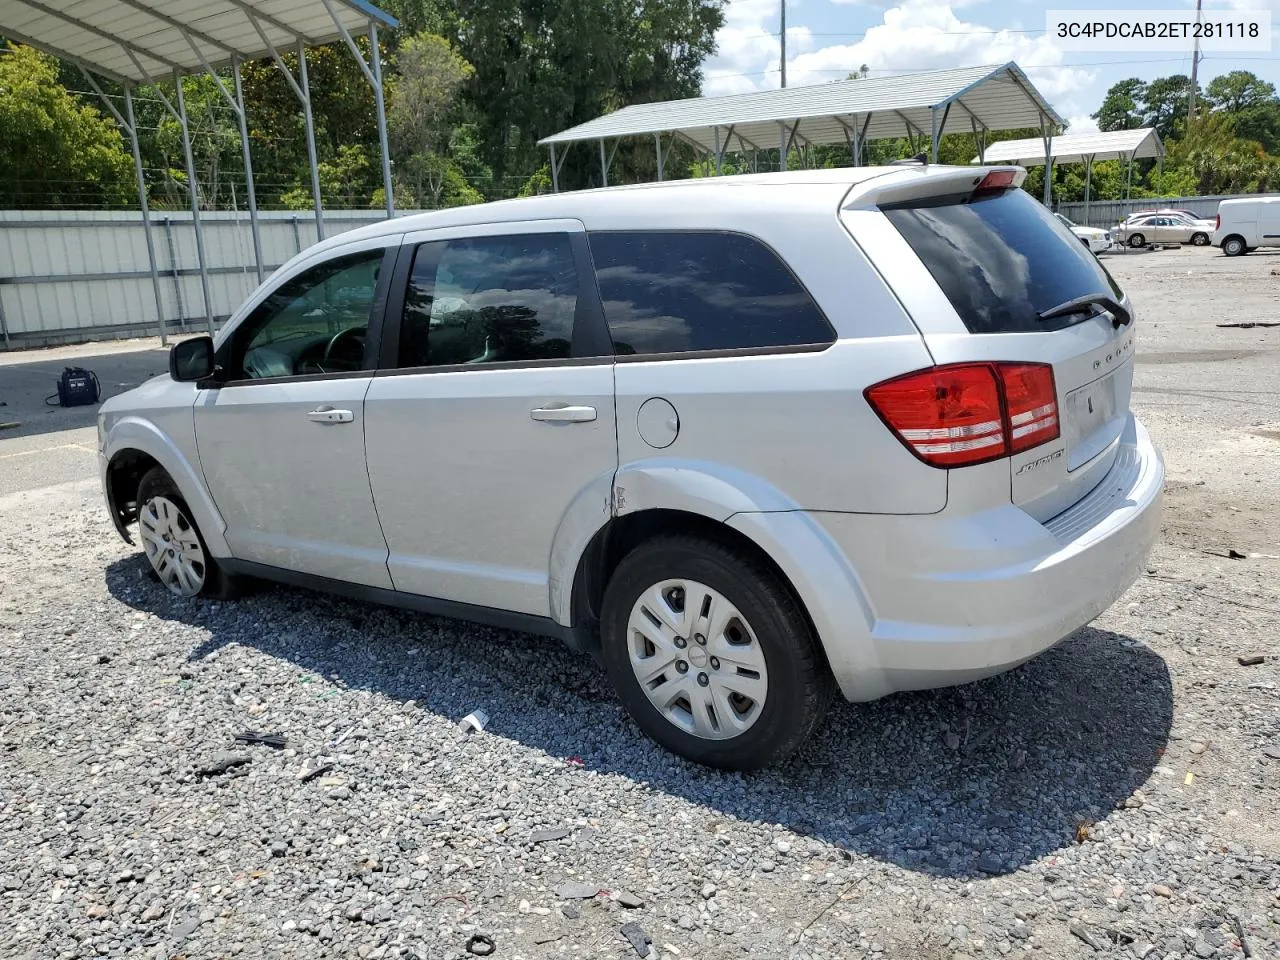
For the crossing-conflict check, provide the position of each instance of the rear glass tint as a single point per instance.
(1002, 260)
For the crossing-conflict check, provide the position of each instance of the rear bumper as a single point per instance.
(950, 598)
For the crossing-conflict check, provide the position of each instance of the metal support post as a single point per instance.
(1160, 173)
(1046, 134)
(193, 189)
(855, 145)
(604, 167)
(715, 131)
(1128, 183)
(131, 127)
(248, 172)
(782, 146)
(1088, 182)
(657, 144)
(311, 139)
(555, 171)
(375, 57)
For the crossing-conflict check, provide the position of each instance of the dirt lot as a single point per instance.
(1116, 796)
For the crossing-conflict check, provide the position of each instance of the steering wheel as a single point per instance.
(354, 334)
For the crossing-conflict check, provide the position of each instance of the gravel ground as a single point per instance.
(1117, 795)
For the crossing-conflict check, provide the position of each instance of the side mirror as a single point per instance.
(191, 359)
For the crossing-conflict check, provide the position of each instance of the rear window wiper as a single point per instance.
(1120, 316)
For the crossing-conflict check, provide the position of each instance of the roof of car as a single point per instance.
(576, 203)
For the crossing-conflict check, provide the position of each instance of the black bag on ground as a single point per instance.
(77, 387)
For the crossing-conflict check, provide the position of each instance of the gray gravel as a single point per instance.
(1115, 796)
(926, 824)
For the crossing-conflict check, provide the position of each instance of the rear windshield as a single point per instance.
(1002, 259)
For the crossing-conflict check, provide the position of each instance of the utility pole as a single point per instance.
(784, 42)
(1195, 63)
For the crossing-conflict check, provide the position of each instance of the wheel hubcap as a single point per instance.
(724, 692)
(172, 546)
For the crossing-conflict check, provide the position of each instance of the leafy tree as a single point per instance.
(1166, 101)
(1122, 109)
(430, 73)
(1218, 161)
(1252, 102)
(54, 150)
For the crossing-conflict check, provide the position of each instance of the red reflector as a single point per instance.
(963, 414)
(997, 180)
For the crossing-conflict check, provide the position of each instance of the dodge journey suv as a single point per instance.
(748, 440)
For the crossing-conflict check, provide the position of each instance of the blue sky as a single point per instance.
(826, 39)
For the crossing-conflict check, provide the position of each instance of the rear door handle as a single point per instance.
(329, 415)
(565, 414)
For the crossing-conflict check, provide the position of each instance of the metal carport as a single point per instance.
(1086, 148)
(927, 104)
(135, 42)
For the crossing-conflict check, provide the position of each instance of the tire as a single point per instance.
(1234, 247)
(1137, 240)
(740, 722)
(1200, 239)
(164, 519)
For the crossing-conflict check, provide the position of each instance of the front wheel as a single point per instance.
(1137, 240)
(1200, 239)
(175, 549)
(711, 655)
(1233, 246)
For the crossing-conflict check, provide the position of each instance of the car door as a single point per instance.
(492, 412)
(281, 436)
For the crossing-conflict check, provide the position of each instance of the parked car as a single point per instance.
(745, 439)
(1163, 228)
(1246, 224)
(1093, 238)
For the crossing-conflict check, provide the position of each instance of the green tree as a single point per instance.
(423, 96)
(54, 150)
(1122, 109)
(1252, 102)
(1166, 101)
(1215, 160)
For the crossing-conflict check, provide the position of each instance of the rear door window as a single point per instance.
(1001, 260)
(684, 292)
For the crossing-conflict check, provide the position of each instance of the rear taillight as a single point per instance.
(1217, 221)
(996, 180)
(961, 414)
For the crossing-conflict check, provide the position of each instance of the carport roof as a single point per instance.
(137, 41)
(996, 97)
(1075, 147)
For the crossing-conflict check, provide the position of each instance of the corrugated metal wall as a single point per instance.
(1107, 213)
(67, 276)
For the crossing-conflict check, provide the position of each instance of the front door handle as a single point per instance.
(565, 414)
(329, 415)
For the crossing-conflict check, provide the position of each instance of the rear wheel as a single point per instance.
(1233, 246)
(711, 655)
(175, 549)
(1137, 240)
(1200, 239)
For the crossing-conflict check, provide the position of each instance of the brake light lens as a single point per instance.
(962, 414)
(1217, 221)
(997, 180)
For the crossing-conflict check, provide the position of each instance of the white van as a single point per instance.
(1246, 224)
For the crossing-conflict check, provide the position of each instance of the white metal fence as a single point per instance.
(1107, 213)
(67, 276)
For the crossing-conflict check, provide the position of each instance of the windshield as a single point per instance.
(1002, 260)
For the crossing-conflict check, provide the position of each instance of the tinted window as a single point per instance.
(490, 300)
(313, 323)
(1001, 260)
(677, 292)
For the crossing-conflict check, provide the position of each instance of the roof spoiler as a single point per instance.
(917, 182)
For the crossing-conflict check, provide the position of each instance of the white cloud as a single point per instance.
(1081, 123)
(913, 35)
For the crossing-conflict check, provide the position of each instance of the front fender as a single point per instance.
(137, 433)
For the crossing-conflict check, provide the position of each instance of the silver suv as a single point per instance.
(747, 440)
